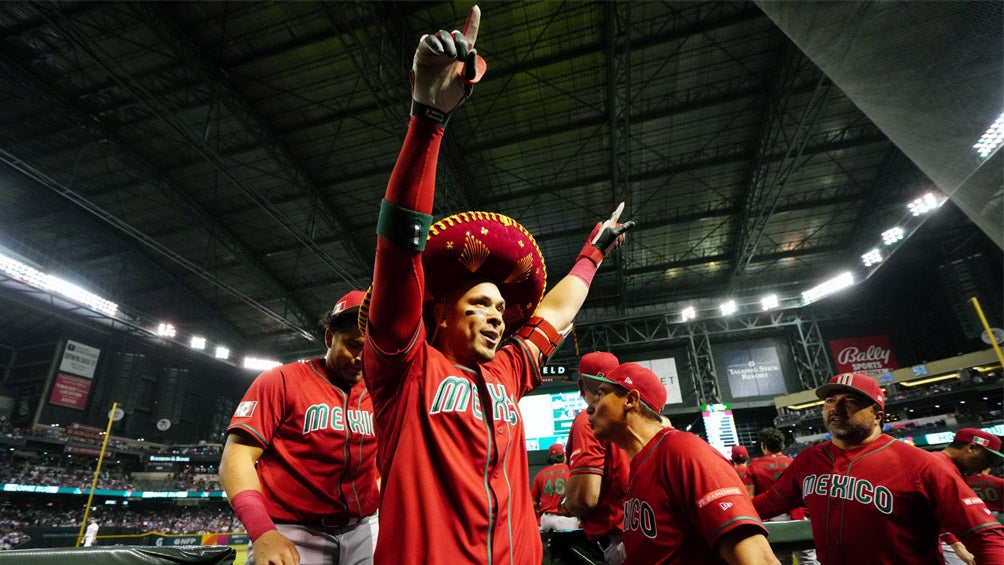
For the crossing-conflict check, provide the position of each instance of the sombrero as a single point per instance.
(485, 246)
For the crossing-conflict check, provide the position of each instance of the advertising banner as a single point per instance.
(870, 355)
(666, 370)
(79, 359)
(754, 371)
(70, 391)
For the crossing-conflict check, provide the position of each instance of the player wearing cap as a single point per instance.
(874, 499)
(446, 390)
(970, 451)
(599, 470)
(548, 490)
(299, 465)
(685, 504)
(739, 458)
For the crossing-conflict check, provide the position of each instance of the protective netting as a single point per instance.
(929, 74)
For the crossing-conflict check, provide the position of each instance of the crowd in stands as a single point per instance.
(68, 472)
(202, 519)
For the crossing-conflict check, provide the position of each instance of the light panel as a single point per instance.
(55, 285)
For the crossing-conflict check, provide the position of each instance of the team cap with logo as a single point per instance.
(556, 449)
(633, 376)
(348, 303)
(853, 382)
(986, 440)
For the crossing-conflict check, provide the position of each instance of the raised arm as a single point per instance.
(444, 67)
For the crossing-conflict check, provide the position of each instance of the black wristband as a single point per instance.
(435, 115)
(405, 227)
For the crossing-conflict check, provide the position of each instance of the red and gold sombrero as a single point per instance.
(487, 246)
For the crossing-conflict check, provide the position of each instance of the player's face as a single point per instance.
(471, 327)
(344, 352)
(849, 417)
(974, 459)
(606, 412)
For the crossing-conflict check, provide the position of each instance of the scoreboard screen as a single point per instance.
(720, 427)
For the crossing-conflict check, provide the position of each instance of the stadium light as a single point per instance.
(892, 235)
(198, 342)
(55, 285)
(688, 313)
(925, 204)
(770, 301)
(873, 257)
(991, 139)
(836, 284)
(728, 307)
(222, 352)
(257, 364)
(166, 330)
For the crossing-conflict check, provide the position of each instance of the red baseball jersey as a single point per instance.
(549, 488)
(743, 470)
(456, 484)
(588, 455)
(320, 449)
(763, 471)
(990, 489)
(882, 502)
(682, 498)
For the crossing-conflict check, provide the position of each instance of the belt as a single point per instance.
(328, 523)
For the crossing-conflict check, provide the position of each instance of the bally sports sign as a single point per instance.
(870, 355)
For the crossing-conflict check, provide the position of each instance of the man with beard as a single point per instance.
(874, 499)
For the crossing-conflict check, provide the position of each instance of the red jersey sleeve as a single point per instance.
(260, 410)
(711, 492)
(963, 513)
(586, 455)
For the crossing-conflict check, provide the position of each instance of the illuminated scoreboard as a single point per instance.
(720, 427)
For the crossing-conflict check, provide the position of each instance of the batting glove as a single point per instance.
(445, 69)
(605, 237)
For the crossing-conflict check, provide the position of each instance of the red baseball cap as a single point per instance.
(350, 301)
(739, 452)
(986, 440)
(556, 449)
(633, 376)
(597, 364)
(853, 382)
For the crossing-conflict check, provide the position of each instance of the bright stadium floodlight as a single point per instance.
(925, 204)
(991, 139)
(257, 364)
(728, 307)
(55, 285)
(198, 343)
(892, 235)
(829, 287)
(222, 353)
(166, 330)
(688, 313)
(769, 302)
(873, 257)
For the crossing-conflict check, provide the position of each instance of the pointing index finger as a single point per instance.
(472, 24)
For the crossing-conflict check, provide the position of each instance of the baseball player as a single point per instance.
(91, 533)
(739, 458)
(684, 504)
(763, 472)
(874, 499)
(989, 488)
(548, 490)
(299, 464)
(970, 451)
(445, 388)
(599, 470)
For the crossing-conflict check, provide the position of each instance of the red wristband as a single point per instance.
(249, 505)
(584, 269)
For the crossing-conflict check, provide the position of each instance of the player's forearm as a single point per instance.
(582, 494)
(740, 548)
(562, 303)
(413, 182)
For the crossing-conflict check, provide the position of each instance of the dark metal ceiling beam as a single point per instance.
(768, 178)
(216, 232)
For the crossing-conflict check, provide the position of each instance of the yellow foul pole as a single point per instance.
(97, 472)
(986, 326)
